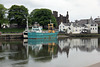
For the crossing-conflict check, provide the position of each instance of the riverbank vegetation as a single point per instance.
(12, 30)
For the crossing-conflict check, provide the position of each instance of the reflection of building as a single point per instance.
(83, 44)
(86, 44)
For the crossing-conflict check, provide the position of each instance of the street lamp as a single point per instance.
(26, 22)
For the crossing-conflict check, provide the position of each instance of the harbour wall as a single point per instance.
(20, 35)
(11, 36)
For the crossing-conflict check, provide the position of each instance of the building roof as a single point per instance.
(81, 23)
(67, 24)
(97, 19)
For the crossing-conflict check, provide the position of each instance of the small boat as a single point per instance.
(37, 33)
(25, 34)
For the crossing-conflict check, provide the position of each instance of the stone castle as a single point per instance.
(61, 18)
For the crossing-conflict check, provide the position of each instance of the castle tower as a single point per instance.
(55, 13)
(61, 18)
(67, 17)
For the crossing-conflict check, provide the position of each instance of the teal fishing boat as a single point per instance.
(37, 33)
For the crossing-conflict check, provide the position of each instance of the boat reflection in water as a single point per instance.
(42, 49)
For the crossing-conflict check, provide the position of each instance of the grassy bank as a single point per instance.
(12, 30)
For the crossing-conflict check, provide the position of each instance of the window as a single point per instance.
(63, 29)
(69, 28)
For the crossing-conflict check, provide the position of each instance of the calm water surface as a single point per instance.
(68, 52)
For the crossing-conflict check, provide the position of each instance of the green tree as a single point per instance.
(43, 17)
(2, 14)
(18, 14)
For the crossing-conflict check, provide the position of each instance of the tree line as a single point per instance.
(18, 14)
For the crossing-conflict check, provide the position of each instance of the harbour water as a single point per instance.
(67, 52)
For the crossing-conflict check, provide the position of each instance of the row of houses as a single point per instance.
(79, 26)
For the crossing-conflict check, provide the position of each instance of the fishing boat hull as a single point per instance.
(34, 35)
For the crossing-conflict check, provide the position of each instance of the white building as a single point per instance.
(82, 26)
(4, 25)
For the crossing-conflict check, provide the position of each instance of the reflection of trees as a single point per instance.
(45, 54)
(14, 49)
(21, 55)
(2, 58)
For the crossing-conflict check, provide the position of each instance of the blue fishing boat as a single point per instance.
(37, 33)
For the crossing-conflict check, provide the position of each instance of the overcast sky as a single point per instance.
(78, 9)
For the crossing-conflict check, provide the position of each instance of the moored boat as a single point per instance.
(25, 34)
(37, 33)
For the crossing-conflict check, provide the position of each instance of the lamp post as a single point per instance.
(26, 22)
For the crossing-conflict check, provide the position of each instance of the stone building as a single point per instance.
(61, 18)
